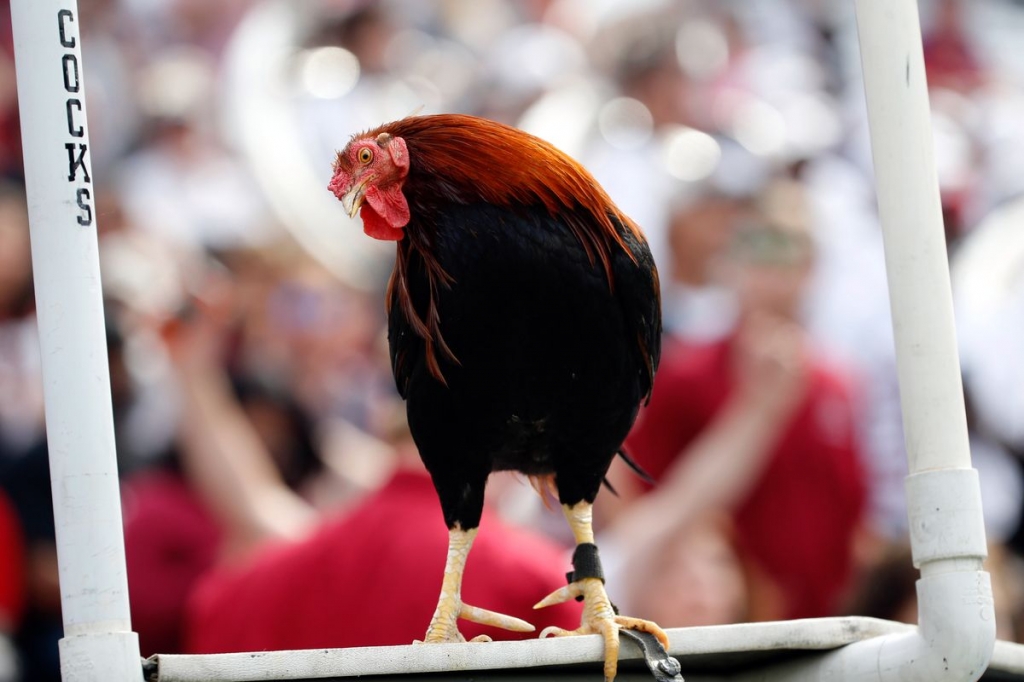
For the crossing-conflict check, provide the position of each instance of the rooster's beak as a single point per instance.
(353, 199)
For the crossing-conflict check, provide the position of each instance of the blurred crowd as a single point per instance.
(262, 447)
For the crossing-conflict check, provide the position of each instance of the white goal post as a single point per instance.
(98, 643)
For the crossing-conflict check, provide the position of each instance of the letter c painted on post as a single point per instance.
(63, 17)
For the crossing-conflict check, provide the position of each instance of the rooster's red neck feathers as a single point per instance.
(467, 160)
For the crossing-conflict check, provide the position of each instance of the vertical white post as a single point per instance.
(915, 247)
(98, 643)
(947, 532)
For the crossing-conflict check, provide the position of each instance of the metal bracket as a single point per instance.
(150, 669)
(662, 666)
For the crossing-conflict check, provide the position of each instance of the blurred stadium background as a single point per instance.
(251, 386)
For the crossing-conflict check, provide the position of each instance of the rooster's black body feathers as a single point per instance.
(540, 363)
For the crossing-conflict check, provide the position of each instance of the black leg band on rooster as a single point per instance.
(586, 563)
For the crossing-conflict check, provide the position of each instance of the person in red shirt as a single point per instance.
(797, 514)
(758, 425)
(291, 575)
(171, 539)
(371, 577)
(951, 60)
(12, 567)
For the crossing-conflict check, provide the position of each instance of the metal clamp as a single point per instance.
(662, 666)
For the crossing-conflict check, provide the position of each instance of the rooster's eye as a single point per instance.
(365, 155)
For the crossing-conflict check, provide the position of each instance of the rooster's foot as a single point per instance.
(444, 628)
(599, 618)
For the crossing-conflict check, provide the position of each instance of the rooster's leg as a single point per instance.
(599, 616)
(450, 607)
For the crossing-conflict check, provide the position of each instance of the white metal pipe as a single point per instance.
(726, 648)
(721, 645)
(98, 643)
(955, 636)
(931, 393)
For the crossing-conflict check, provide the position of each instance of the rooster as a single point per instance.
(524, 327)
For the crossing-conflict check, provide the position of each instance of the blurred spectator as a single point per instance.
(627, 155)
(31, 605)
(949, 58)
(696, 305)
(258, 605)
(21, 397)
(241, 458)
(331, 333)
(759, 427)
(26, 482)
(889, 589)
(186, 189)
(192, 22)
(846, 312)
(10, 128)
(183, 184)
(171, 540)
(241, 444)
(112, 50)
(12, 578)
(696, 577)
(12, 589)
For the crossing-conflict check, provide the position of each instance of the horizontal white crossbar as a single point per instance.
(719, 648)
